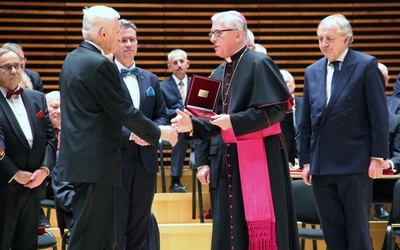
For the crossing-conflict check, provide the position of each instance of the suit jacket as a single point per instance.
(298, 100)
(340, 137)
(172, 96)
(394, 140)
(153, 107)
(20, 156)
(393, 104)
(35, 79)
(289, 132)
(2, 147)
(94, 108)
(396, 88)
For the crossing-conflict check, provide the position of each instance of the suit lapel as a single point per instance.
(31, 112)
(9, 115)
(175, 89)
(142, 88)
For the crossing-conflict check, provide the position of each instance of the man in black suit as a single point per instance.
(344, 134)
(94, 107)
(297, 105)
(139, 160)
(175, 89)
(31, 146)
(34, 77)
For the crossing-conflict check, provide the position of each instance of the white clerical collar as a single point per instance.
(229, 60)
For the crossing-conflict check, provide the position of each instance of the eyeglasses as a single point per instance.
(218, 33)
(126, 40)
(7, 68)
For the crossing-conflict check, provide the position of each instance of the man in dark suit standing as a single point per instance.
(33, 75)
(31, 146)
(94, 108)
(139, 160)
(175, 89)
(344, 134)
(297, 106)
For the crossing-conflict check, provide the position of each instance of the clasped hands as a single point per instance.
(31, 180)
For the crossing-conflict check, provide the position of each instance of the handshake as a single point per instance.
(180, 124)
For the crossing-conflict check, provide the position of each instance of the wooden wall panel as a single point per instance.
(49, 30)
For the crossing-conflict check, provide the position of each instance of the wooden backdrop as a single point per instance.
(48, 30)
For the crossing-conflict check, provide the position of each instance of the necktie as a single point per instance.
(16, 92)
(182, 90)
(125, 72)
(335, 73)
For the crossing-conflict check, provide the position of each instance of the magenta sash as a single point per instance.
(253, 167)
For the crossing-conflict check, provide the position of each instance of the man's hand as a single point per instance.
(168, 134)
(222, 121)
(22, 177)
(182, 122)
(375, 168)
(203, 174)
(138, 140)
(305, 174)
(37, 178)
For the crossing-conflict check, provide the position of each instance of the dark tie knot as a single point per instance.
(125, 72)
(181, 84)
(14, 92)
(336, 65)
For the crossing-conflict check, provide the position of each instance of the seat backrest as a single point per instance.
(396, 203)
(304, 202)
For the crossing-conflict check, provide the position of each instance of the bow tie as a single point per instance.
(16, 92)
(133, 71)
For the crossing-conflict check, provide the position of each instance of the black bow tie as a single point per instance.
(133, 71)
(15, 92)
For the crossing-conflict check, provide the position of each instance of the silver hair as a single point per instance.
(176, 53)
(341, 23)
(232, 21)
(96, 16)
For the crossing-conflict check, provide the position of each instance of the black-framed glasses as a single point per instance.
(126, 40)
(218, 33)
(7, 68)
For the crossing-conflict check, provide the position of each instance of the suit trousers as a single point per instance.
(134, 201)
(178, 156)
(344, 203)
(94, 217)
(19, 222)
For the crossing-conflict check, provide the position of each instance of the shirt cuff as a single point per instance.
(47, 169)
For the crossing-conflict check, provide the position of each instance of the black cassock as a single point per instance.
(255, 95)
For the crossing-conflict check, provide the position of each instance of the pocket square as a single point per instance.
(40, 115)
(150, 91)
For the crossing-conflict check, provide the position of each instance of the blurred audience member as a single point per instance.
(34, 81)
(175, 89)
